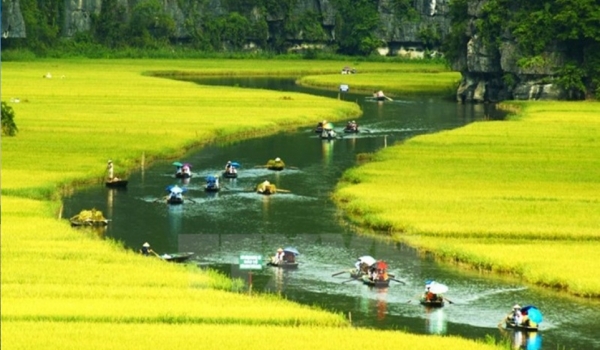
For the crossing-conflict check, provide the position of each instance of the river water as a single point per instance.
(220, 227)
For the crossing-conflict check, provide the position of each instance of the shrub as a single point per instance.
(9, 127)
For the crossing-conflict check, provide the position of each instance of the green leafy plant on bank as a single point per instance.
(9, 127)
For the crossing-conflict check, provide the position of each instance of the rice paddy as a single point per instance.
(412, 80)
(518, 196)
(64, 288)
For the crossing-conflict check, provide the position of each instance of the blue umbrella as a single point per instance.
(235, 164)
(534, 314)
(292, 250)
(177, 164)
(176, 189)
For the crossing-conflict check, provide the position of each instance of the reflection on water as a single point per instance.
(523, 340)
(327, 149)
(175, 214)
(435, 320)
(381, 303)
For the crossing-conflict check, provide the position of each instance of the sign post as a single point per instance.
(250, 262)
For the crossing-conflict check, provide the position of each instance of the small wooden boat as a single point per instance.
(379, 283)
(284, 264)
(183, 175)
(88, 222)
(229, 175)
(351, 130)
(432, 303)
(325, 136)
(212, 184)
(208, 188)
(175, 200)
(521, 327)
(116, 183)
(288, 261)
(177, 257)
(89, 218)
(266, 188)
(275, 164)
(357, 274)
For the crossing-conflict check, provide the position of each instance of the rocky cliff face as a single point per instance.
(492, 74)
(13, 25)
(488, 73)
(402, 37)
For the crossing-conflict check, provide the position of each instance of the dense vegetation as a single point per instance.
(540, 28)
(9, 127)
(235, 27)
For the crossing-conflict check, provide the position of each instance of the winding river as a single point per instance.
(220, 227)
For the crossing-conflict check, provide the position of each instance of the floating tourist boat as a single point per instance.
(89, 218)
(212, 184)
(289, 259)
(116, 183)
(177, 257)
(432, 303)
(379, 282)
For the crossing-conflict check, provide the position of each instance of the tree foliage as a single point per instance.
(109, 26)
(150, 26)
(9, 127)
(356, 25)
(538, 27)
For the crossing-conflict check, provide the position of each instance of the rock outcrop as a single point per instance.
(491, 74)
(402, 36)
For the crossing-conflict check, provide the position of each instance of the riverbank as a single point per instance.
(410, 81)
(60, 283)
(516, 197)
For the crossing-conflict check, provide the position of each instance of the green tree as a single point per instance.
(150, 26)
(356, 25)
(9, 127)
(108, 26)
(43, 20)
(235, 29)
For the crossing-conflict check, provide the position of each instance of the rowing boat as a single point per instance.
(283, 264)
(432, 303)
(177, 257)
(521, 327)
(116, 183)
(380, 283)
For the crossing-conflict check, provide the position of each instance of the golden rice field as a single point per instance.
(519, 196)
(64, 288)
(410, 81)
(104, 335)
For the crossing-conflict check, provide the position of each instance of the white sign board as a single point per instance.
(250, 262)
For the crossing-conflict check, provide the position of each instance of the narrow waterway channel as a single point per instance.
(220, 227)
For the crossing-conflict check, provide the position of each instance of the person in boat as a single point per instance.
(379, 95)
(263, 186)
(146, 250)
(212, 182)
(229, 168)
(278, 258)
(358, 265)
(178, 170)
(174, 193)
(110, 170)
(352, 126)
(186, 170)
(379, 271)
(429, 296)
(515, 316)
